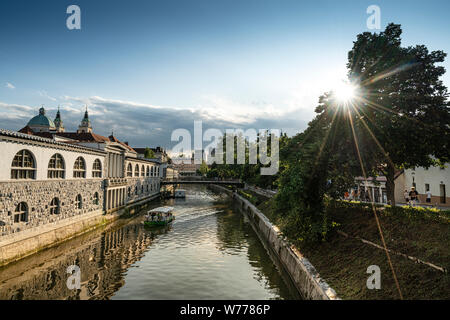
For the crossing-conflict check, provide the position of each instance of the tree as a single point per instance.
(203, 168)
(149, 154)
(401, 116)
(312, 166)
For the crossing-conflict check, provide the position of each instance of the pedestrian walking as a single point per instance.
(406, 196)
(413, 196)
(428, 196)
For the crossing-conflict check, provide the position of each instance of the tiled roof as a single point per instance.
(26, 130)
(114, 139)
(34, 137)
(142, 150)
(81, 137)
(84, 136)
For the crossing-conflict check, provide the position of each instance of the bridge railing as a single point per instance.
(205, 179)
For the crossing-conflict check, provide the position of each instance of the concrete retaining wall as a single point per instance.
(302, 272)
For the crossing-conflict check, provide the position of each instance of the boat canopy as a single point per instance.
(161, 210)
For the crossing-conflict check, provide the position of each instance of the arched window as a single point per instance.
(79, 202)
(135, 190)
(157, 171)
(147, 188)
(129, 170)
(152, 171)
(79, 168)
(136, 171)
(96, 198)
(21, 213)
(142, 189)
(129, 192)
(56, 167)
(54, 206)
(23, 166)
(148, 171)
(97, 169)
(143, 171)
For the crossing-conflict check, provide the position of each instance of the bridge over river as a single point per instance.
(237, 183)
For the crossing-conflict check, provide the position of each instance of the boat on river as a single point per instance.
(180, 193)
(161, 216)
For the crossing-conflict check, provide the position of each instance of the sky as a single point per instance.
(145, 68)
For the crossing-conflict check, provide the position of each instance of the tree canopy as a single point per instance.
(398, 118)
(149, 154)
(401, 113)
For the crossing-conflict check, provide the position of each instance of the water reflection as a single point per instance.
(210, 252)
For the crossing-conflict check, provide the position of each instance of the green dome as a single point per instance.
(41, 120)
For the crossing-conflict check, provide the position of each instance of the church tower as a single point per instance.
(59, 125)
(85, 126)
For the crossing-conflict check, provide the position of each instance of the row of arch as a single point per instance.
(21, 213)
(144, 171)
(148, 188)
(24, 167)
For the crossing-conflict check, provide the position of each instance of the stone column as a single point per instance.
(115, 166)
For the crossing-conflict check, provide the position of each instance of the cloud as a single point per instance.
(152, 125)
(45, 95)
(10, 86)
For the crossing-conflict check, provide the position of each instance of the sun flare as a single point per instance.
(344, 92)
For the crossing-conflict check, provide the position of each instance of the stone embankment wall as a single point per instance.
(18, 245)
(264, 192)
(37, 197)
(302, 272)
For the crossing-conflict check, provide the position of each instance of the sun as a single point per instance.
(344, 92)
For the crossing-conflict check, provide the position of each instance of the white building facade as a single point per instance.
(48, 176)
(434, 179)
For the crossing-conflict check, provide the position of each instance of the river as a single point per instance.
(209, 252)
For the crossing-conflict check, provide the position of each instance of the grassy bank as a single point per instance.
(343, 261)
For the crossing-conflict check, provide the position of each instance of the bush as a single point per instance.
(419, 213)
(387, 210)
(249, 197)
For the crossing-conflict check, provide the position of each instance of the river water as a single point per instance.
(209, 252)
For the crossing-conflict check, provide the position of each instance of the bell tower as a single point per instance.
(85, 126)
(59, 125)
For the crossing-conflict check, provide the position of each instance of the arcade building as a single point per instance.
(50, 178)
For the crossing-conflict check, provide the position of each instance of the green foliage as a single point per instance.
(399, 119)
(212, 173)
(402, 118)
(253, 198)
(315, 165)
(419, 213)
(149, 154)
(203, 168)
(412, 213)
(250, 173)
